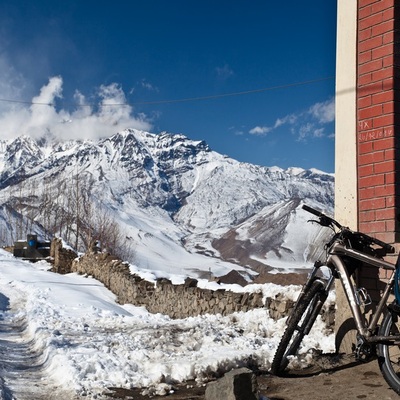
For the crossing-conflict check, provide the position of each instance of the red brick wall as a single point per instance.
(378, 86)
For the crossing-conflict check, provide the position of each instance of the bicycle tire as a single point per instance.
(389, 354)
(302, 318)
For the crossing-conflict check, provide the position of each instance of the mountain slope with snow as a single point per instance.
(183, 207)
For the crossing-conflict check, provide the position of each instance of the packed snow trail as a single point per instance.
(23, 362)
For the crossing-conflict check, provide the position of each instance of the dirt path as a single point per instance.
(330, 379)
(348, 381)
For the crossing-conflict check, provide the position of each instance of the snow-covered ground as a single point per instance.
(64, 336)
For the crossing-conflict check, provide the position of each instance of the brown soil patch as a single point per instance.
(331, 378)
(349, 380)
(279, 279)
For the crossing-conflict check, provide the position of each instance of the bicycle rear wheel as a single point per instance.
(300, 322)
(389, 354)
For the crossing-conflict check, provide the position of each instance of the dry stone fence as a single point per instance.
(177, 301)
(62, 258)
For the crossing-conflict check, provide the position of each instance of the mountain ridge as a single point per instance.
(176, 199)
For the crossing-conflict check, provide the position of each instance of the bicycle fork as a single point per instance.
(320, 300)
(315, 312)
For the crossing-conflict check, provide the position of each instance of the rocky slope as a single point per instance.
(182, 205)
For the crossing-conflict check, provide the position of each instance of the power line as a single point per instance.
(217, 96)
(26, 102)
(199, 98)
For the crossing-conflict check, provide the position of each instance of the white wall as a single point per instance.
(346, 210)
(346, 202)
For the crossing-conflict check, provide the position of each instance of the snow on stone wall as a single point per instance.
(176, 301)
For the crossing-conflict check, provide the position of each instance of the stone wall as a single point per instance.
(280, 306)
(177, 301)
(61, 257)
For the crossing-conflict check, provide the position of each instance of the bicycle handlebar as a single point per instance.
(324, 220)
(312, 210)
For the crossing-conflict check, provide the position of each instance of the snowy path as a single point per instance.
(23, 363)
(65, 337)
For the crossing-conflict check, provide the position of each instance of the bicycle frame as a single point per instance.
(378, 333)
(367, 331)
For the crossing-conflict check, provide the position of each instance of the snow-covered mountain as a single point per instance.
(185, 208)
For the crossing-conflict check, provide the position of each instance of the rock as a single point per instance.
(233, 277)
(238, 384)
(190, 282)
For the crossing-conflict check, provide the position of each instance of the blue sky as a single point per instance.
(255, 79)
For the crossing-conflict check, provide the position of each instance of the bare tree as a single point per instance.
(31, 208)
(69, 208)
(18, 206)
(102, 227)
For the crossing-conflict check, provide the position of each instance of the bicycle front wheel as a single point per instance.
(389, 354)
(303, 317)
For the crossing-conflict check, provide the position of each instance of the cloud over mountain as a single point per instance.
(109, 114)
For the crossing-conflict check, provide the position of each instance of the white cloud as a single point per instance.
(288, 119)
(263, 130)
(323, 112)
(236, 131)
(320, 132)
(147, 85)
(224, 72)
(304, 124)
(260, 130)
(305, 130)
(50, 91)
(86, 121)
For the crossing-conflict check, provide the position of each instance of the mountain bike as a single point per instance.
(346, 251)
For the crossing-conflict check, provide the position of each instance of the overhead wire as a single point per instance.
(188, 99)
(217, 96)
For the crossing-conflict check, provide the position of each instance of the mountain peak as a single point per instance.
(175, 198)
(19, 156)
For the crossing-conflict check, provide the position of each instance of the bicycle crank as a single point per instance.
(364, 351)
